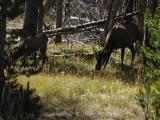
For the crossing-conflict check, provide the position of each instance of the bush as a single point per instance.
(18, 103)
(152, 52)
(149, 100)
(149, 97)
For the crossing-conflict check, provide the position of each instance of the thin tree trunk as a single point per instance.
(104, 3)
(77, 28)
(40, 16)
(47, 4)
(111, 16)
(2, 42)
(111, 2)
(129, 10)
(141, 9)
(31, 16)
(59, 12)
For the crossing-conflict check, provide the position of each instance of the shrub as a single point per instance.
(149, 97)
(149, 100)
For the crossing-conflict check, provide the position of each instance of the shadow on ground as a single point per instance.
(66, 109)
(18, 103)
(128, 74)
(83, 65)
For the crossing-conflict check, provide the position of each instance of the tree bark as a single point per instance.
(111, 2)
(111, 16)
(77, 28)
(40, 16)
(31, 16)
(129, 10)
(104, 3)
(47, 4)
(59, 12)
(141, 10)
(2, 42)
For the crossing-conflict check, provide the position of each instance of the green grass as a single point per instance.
(70, 87)
(76, 48)
(68, 92)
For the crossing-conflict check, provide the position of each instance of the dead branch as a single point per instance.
(74, 29)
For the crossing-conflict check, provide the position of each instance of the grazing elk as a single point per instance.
(34, 44)
(17, 52)
(30, 46)
(11, 54)
(120, 36)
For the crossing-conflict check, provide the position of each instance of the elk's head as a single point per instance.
(101, 58)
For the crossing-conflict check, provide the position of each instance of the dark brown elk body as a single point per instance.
(120, 36)
(34, 44)
(17, 52)
(30, 45)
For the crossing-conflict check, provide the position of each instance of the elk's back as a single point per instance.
(122, 36)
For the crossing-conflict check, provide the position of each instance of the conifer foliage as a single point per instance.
(13, 7)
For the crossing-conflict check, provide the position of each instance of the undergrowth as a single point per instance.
(70, 88)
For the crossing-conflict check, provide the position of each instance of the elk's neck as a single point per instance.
(107, 48)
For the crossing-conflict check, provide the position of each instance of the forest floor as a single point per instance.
(70, 88)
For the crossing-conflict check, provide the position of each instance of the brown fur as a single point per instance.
(34, 44)
(120, 36)
(30, 45)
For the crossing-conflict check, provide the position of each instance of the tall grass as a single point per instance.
(86, 95)
(70, 87)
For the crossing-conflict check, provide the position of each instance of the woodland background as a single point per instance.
(68, 87)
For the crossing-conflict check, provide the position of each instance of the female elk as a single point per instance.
(30, 45)
(120, 36)
(34, 44)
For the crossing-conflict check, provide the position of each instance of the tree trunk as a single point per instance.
(47, 4)
(31, 16)
(77, 28)
(104, 3)
(129, 10)
(141, 9)
(59, 11)
(80, 27)
(40, 16)
(111, 16)
(107, 22)
(2, 42)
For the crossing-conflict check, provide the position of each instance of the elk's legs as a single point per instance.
(108, 54)
(43, 56)
(133, 51)
(34, 56)
(122, 56)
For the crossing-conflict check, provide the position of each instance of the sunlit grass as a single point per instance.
(70, 84)
(64, 47)
(80, 93)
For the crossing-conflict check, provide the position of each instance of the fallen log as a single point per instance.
(86, 26)
(74, 29)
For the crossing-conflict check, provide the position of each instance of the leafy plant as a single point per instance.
(152, 52)
(17, 102)
(149, 97)
(149, 100)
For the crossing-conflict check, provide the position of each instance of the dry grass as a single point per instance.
(94, 97)
(17, 23)
(71, 89)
